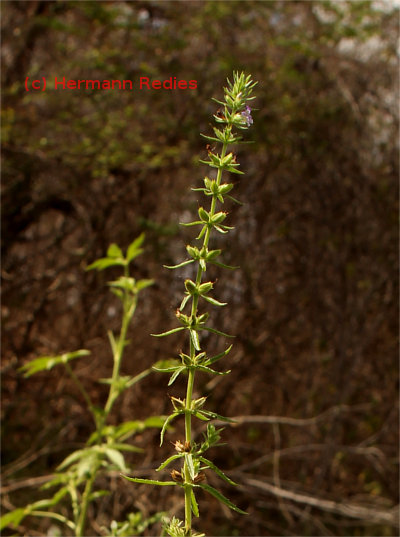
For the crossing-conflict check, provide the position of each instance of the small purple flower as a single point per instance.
(246, 115)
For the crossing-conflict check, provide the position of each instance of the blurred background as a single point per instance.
(314, 304)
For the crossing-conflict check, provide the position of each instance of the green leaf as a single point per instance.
(149, 481)
(154, 421)
(195, 507)
(210, 138)
(201, 415)
(189, 464)
(166, 366)
(234, 170)
(169, 460)
(188, 224)
(51, 502)
(124, 282)
(45, 363)
(183, 264)
(215, 331)
(113, 342)
(116, 458)
(184, 302)
(169, 332)
(217, 470)
(213, 301)
(114, 251)
(13, 517)
(220, 497)
(204, 215)
(206, 369)
(142, 284)
(222, 265)
(127, 447)
(216, 416)
(175, 375)
(72, 457)
(218, 356)
(57, 480)
(105, 262)
(86, 466)
(195, 339)
(166, 423)
(98, 494)
(129, 428)
(134, 248)
(76, 456)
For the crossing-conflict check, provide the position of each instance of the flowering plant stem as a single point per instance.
(234, 114)
(192, 372)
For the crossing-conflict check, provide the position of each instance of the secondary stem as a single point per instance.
(85, 503)
(128, 311)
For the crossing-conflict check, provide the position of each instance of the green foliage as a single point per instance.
(45, 363)
(104, 450)
(135, 524)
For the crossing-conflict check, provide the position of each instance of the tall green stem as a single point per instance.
(191, 376)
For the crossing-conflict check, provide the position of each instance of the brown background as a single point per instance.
(314, 306)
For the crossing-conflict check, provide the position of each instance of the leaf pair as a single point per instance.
(115, 256)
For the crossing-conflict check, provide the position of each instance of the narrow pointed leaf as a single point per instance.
(202, 232)
(169, 332)
(218, 356)
(105, 262)
(220, 497)
(51, 502)
(149, 481)
(134, 248)
(235, 200)
(166, 369)
(215, 331)
(184, 302)
(183, 264)
(175, 375)
(188, 224)
(195, 507)
(166, 423)
(222, 265)
(195, 339)
(216, 416)
(201, 415)
(206, 369)
(169, 460)
(189, 464)
(73, 457)
(217, 470)
(213, 301)
(127, 447)
(45, 363)
(142, 284)
(210, 138)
